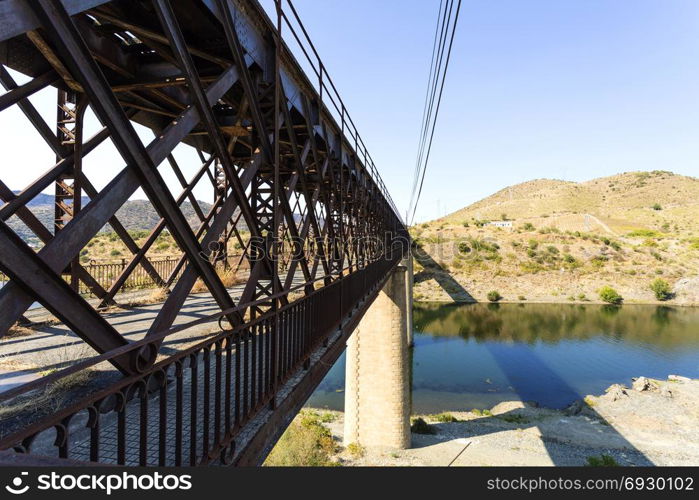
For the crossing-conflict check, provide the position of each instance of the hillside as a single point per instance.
(564, 241)
(134, 215)
(622, 202)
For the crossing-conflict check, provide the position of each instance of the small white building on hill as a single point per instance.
(500, 223)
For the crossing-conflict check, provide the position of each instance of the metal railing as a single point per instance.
(106, 273)
(329, 95)
(190, 408)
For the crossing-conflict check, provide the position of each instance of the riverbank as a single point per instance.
(653, 422)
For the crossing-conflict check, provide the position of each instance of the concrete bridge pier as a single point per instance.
(377, 379)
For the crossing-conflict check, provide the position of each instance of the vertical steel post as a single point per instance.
(67, 190)
(277, 216)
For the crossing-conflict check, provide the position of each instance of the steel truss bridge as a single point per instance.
(294, 187)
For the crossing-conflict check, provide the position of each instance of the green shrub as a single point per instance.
(115, 253)
(521, 297)
(661, 289)
(528, 226)
(533, 244)
(609, 295)
(494, 296)
(419, 426)
(602, 461)
(657, 206)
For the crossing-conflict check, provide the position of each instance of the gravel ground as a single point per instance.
(653, 423)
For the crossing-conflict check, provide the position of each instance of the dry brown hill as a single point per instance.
(658, 200)
(566, 240)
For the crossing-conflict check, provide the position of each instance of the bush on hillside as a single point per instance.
(494, 296)
(609, 295)
(661, 289)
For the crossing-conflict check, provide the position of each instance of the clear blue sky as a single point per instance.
(567, 89)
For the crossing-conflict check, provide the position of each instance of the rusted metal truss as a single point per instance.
(293, 185)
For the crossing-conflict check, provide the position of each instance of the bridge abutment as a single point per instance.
(377, 380)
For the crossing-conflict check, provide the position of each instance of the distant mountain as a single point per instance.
(133, 215)
(46, 199)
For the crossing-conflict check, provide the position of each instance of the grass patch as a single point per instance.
(50, 399)
(356, 450)
(307, 442)
(444, 418)
(157, 296)
(482, 413)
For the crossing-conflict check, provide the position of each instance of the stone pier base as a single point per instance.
(377, 381)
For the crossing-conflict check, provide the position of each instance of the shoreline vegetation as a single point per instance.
(649, 423)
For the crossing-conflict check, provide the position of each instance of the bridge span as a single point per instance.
(216, 369)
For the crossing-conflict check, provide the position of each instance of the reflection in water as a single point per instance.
(477, 355)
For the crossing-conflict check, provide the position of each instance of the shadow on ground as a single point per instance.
(432, 270)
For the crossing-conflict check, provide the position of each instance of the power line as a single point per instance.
(430, 124)
(443, 20)
(432, 74)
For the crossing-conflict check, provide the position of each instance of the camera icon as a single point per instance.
(16, 487)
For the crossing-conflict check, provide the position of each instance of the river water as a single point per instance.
(476, 355)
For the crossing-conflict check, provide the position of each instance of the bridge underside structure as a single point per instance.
(293, 187)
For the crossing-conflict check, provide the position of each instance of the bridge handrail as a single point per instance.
(157, 337)
(332, 93)
(314, 320)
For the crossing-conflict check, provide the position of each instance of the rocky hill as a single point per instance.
(549, 240)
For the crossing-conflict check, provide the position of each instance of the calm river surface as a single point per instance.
(477, 355)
